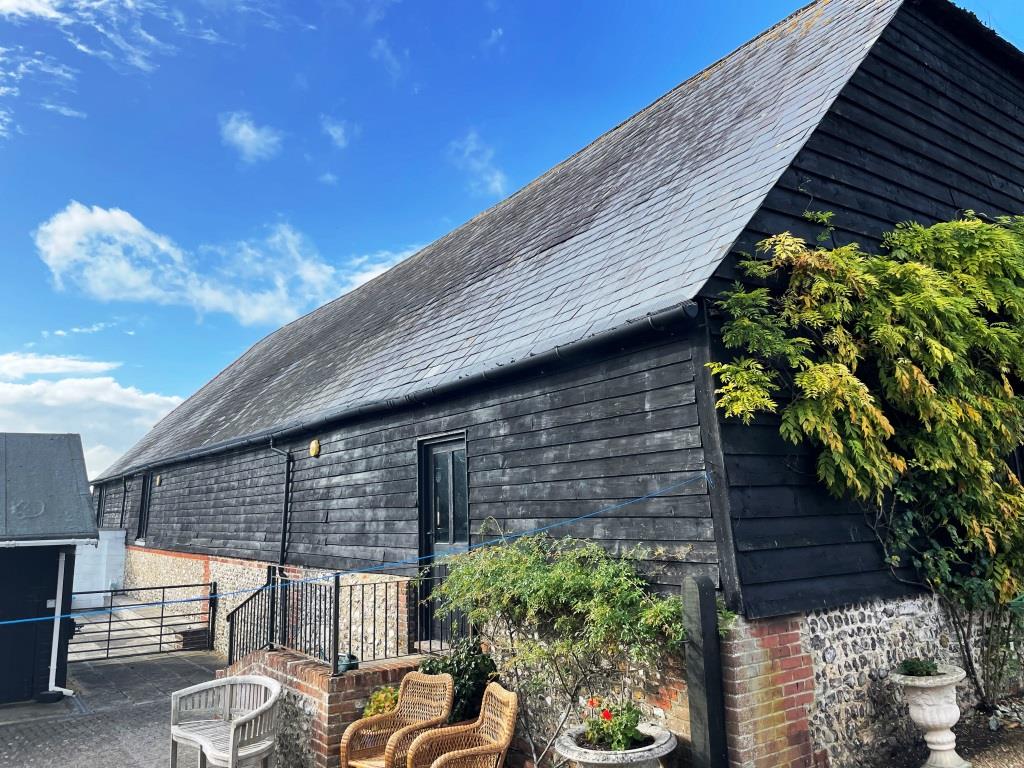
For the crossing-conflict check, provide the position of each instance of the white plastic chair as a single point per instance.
(231, 721)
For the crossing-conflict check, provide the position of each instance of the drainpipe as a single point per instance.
(288, 462)
(55, 646)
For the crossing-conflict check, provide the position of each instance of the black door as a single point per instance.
(444, 524)
(31, 576)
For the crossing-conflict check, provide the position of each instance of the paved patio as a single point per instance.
(118, 718)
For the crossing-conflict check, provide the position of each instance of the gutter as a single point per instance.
(9, 544)
(684, 311)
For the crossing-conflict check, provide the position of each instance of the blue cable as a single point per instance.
(370, 569)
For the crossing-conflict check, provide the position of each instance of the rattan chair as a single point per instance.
(382, 741)
(481, 744)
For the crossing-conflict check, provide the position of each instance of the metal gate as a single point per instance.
(118, 623)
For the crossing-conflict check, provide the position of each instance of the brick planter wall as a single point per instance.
(318, 707)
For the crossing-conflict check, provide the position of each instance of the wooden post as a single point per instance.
(704, 674)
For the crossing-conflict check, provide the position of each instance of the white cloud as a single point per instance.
(383, 53)
(110, 255)
(18, 365)
(94, 328)
(494, 38)
(19, 66)
(327, 178)
(126, 34)
(376, 10)
(253, 142)
(46, 9)
(337, 130)
(62, 109)
(473, 156)
(110, 417)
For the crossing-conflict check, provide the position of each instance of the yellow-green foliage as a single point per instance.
(904, 369)
(381, 701)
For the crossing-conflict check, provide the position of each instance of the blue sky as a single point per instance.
(178, 179)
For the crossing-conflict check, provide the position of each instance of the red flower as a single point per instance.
(606, 714)
(593, 702)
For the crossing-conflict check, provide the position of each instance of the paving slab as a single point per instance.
(119, 716)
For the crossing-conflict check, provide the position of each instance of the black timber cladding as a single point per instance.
(608, 426)
(928, 127)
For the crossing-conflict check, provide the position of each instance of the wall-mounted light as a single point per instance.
(159, 480)
(314, 447)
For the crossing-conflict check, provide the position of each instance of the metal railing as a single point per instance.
(118, 623)
(342, 624)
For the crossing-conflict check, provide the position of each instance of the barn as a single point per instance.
(546, 360)
(47, 512)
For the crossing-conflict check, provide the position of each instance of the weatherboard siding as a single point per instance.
(542, 448)
(926, 128)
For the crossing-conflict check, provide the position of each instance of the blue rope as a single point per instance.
(370, 569)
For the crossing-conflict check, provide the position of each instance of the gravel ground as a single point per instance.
(977, 743)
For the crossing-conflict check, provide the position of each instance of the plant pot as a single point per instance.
(934, 710)
(641, 757)
(346, 662)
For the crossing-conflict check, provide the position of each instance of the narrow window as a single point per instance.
(101, 500)
(147, 488)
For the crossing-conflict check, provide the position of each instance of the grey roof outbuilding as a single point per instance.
(631, 225)
(44, 491)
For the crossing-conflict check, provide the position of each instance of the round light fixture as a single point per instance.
(314, 447)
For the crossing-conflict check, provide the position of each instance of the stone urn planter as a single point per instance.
(649, 756)
(933, 709)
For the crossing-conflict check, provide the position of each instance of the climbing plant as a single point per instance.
(903, 369)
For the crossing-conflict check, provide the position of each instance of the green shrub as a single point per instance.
(381, 701)
(472, 670)
(563, 619)
(915, 667)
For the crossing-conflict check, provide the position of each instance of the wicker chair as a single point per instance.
(382, 741)
(481, 744)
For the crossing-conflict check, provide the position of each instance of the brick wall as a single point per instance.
(768, 676)
(317, 708)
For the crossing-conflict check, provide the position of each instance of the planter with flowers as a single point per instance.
(614, 735)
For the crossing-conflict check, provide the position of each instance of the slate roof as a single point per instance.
(634, 223)
(44, 493)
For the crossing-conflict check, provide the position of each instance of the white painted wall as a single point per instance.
(99, 567)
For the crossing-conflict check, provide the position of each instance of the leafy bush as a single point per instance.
(381, 701)
(915, 667)
(562, 618)
(472, 670)
(903, 369)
